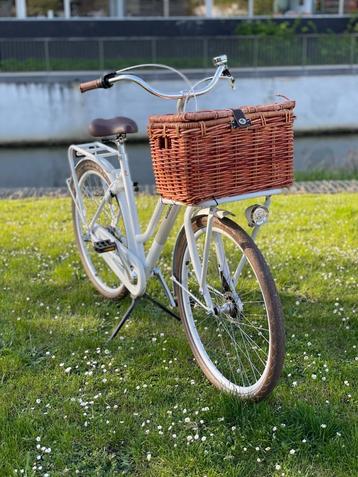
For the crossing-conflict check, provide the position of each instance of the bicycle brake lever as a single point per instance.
(226, 73)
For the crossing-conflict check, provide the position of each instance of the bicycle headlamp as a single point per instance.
(256, 215)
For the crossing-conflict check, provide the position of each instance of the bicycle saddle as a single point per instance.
(112, 127)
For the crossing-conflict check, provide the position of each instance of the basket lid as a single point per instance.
(213, 114)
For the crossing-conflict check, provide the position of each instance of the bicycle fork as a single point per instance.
(201, 268)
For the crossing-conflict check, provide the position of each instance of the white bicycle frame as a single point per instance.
(130, 263)
(132, 266)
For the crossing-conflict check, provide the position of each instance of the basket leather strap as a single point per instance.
(240, 120)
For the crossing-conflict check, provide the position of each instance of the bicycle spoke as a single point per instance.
(93, 188)
(237, 342)
(235, 347)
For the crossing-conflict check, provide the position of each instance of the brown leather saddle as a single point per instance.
(112, 127)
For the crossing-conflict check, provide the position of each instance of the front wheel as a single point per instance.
(239, 346)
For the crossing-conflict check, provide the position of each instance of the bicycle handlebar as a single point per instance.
(108, 80)
(88, 85)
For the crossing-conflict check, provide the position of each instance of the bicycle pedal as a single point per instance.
(103, 246)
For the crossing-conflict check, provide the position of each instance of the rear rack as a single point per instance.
(96, 151)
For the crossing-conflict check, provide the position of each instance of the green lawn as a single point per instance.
(72, 404)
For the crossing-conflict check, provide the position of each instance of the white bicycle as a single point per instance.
(222, 286)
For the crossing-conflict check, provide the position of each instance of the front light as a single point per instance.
(256, 215)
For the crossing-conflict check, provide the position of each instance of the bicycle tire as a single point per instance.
(272, 302)
(121, 291)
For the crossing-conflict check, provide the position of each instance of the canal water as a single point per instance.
(48, 166)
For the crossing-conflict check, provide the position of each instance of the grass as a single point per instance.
(72, 404)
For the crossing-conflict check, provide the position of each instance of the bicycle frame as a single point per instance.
(144, 265)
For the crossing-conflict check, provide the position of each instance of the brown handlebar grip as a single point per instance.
(88, 85)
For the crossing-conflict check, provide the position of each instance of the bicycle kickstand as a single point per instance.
(125, 317)
(133, 305)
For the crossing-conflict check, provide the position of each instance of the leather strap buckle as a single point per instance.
(240, 120)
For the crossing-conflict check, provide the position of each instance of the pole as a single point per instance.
(166, 10)
(116, 8)
(21, 8)
(67, 8)
(209, 8)
(250, 11)
(341, 7)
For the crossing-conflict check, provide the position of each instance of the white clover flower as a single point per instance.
(203, 439)
(67, 370)
(187, 419)
(323, 426)
(277, 467)
(314, 376)
(189, 438)
(292, 451)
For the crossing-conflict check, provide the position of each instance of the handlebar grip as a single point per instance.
(88, 85)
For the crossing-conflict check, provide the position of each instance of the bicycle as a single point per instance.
(222, 286)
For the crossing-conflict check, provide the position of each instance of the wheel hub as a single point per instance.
(229, 308)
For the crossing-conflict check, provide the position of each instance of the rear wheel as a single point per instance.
(94, 182)
(239, 347)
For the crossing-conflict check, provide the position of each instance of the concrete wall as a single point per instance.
(45, 110)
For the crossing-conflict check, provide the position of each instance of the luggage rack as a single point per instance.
(95, 151)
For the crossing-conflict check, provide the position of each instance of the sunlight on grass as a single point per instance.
(74, 404)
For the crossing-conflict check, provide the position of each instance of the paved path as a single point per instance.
(324, 187)
(310, 187)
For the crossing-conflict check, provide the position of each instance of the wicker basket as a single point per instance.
(203, 155)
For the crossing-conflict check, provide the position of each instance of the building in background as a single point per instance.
(174, 8)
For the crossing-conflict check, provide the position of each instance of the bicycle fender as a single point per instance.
(219, 213)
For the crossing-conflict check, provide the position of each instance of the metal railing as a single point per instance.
(84, 54)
